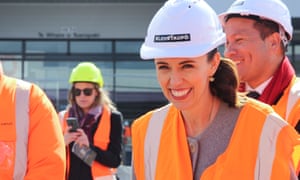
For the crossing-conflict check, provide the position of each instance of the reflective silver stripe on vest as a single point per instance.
(266, 150)
(293, 98)
(267, 146)
(152, 140)
(22, 125)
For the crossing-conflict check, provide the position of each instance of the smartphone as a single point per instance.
(73, 122)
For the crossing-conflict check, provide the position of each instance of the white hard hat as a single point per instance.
(274, 10)
(182, 28)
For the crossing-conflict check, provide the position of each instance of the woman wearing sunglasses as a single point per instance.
(93, 149)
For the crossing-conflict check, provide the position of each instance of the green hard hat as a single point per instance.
(86, 72)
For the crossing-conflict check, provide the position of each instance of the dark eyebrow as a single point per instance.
(183, 62)
(161, 63)
(187, 61)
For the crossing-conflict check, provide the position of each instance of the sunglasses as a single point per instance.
(86, 91)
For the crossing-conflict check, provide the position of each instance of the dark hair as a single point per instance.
(264, 26)
(226, 81)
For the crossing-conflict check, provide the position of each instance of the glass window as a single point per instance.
(46, 47)
(91, 47)
(221, 50)
(289, 50)
(136, 76)
(296, 61)
(128, 46)
(10, 47)
(12, 68)
(54, 79)
(107, 71)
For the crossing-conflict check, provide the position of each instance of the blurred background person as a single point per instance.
(94, 149)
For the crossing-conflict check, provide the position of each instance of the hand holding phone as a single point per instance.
(73, 122)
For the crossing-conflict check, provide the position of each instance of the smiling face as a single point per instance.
(184, 81)
(85, 99)
(245, 46)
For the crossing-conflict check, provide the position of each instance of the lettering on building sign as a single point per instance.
(68, 32)
(68, 35)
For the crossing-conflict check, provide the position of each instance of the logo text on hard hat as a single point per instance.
(172, 37)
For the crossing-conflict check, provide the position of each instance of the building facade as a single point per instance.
(42, 40)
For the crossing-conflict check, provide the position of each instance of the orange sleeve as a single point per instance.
(46, 149)
(287, 148)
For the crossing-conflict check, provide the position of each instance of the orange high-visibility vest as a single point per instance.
(24, 154)
(101, 140)
(260, 147)
(288, 107)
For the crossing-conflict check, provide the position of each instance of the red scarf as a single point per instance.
(277, 85)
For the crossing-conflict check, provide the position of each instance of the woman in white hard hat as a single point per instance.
(94, 147)
(207, 131)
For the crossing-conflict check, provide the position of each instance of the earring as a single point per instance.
(211, 79)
